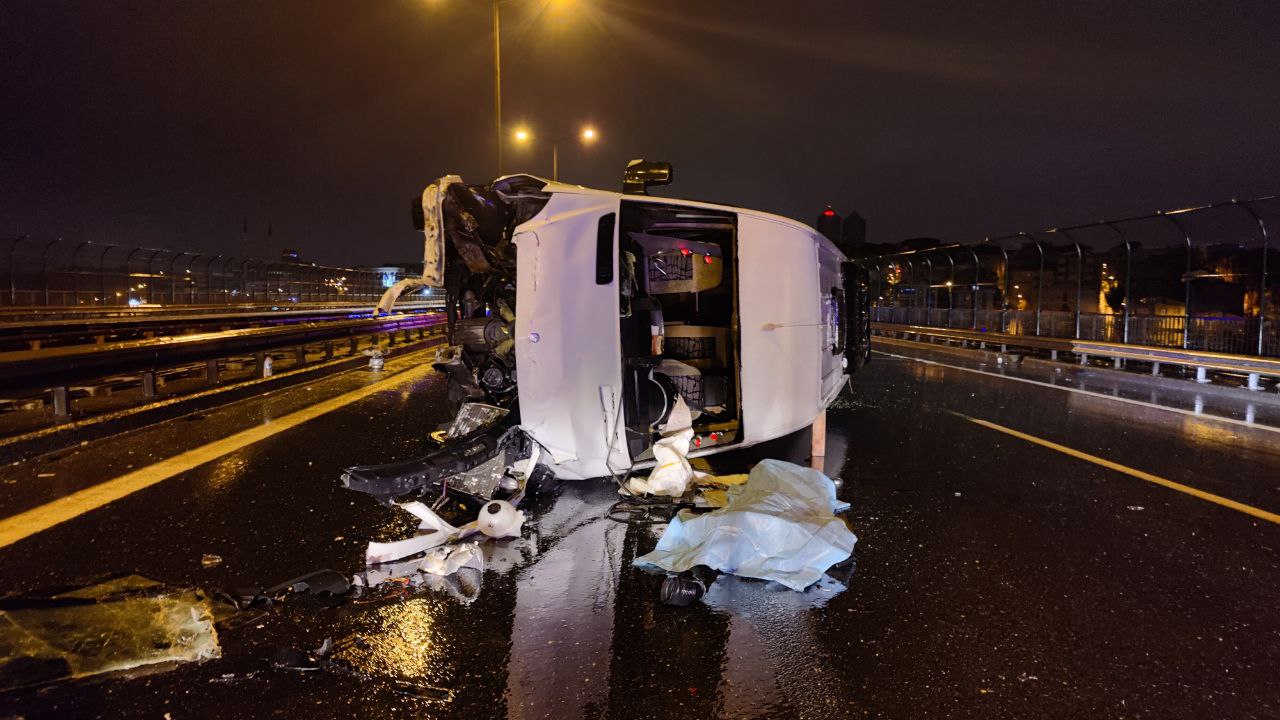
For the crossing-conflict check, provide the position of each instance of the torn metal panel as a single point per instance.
(430, 205)
(476, 467)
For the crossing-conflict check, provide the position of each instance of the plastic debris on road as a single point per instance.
(449, 559)
(456, 570)
(120, 624)
(780, 525)
(437, 557)
(497, 519)
(500, 518)
(433, 531)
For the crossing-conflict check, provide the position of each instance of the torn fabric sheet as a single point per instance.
(434, 531)
(779, 526)
(671, 470)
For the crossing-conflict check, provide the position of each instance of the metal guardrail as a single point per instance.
(84, 313)
(52, 271)
(57, 369)
(1254, 368)
(1235, 336)
(37, 332)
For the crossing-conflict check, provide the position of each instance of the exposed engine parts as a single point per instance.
(482, 455)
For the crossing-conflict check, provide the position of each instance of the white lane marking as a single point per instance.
(1189, 413)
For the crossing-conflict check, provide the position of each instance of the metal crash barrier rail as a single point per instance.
(57, 369)
(39, 331)
(1254, 368)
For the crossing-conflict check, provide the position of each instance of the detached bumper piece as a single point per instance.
(497, 463)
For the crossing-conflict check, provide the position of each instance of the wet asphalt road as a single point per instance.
(993, 577)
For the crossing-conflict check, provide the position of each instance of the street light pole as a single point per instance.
(497, 90)
(555, 162)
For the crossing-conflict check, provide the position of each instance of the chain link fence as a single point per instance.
(1194, 278)
(49, 273)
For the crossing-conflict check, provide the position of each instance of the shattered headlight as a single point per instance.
(472, 417)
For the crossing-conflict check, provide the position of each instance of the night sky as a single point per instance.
(169, 123)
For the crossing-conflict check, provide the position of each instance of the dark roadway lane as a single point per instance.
(993, 577)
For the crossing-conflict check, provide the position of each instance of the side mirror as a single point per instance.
(640, 174)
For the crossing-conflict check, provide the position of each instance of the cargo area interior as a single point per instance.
(679, 321)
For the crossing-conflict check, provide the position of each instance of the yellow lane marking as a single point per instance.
(39, 519)
(1194, 492)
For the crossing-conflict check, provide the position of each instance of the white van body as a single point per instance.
(580, 320)
(567, 343)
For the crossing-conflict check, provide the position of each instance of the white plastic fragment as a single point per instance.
(779, 525)
(449, 559)
(499, 518)
(436, 531)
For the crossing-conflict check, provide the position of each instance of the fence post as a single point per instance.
(61, 402)
(1039, 277)
(44, 267)
(928, 291)
(977, 281)
(911, 268)
(1186, 280)
(75, 270)
(13, 283)
(1004, 294)
(1262, 281)
(1079, 276)
(951, 287)
(208, 280)
(102, 273)
(244, 279)
(150, 260)
(173, 278)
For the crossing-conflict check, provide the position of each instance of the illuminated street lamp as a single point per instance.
(587, 136)
(497, 81)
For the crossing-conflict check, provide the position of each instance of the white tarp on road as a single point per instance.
(780, 525)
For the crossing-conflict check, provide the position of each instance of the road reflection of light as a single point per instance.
(226, 471)
(927, 371)
(1207, 432)
(401, 641)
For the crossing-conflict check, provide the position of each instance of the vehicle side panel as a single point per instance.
(566, 335)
